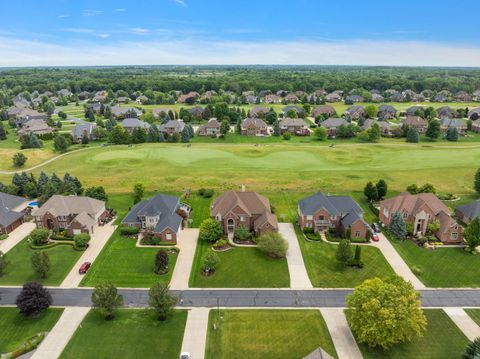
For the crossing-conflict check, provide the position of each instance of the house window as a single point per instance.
(321, 218)
(242, 218)
(169, 236)
(309, 218)
(405, 215)
(357, 234)
(453, 236)
(385, 212)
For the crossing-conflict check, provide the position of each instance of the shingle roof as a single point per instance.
(297, 109)
(135, 123)
(253, 121)
(470, 210)
(292, 122)
(67, 205)
(7, 204)
(81, 128)
(334, 122)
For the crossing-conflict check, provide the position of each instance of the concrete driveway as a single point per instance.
(187, 244)
(298, 274)
(100, 237)
(396, 261)
(16, 236)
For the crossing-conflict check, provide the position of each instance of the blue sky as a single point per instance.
(61, 32)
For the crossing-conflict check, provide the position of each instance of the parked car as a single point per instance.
(84, 267)
(376, 228)
(375, 237)
(185, 355)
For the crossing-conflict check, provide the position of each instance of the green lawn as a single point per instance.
(264, 334)
(125, 265)
(443, 267)
(240, 268)
(443, 340)
(324, 271)
(474, 314)
(15, 328)
(19, 271)
(134, 333)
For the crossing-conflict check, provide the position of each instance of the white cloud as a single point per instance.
(104, 36)
(92, 12)
(120, 10)
(79, 30)
(15, 52)
(180, 2)
(139, 30)
(63, 16)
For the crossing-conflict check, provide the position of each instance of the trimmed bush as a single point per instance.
(273, 245)
(81, 240)
(210, 263)
(39, 236)
(242, 234)
(129, 231)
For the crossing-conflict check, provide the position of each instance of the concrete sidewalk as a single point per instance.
(298, 274)
(58, 338)
(100, 237)
(342, 337)
(187, 244)
(16, 236)
(195, 336)
(396, 261)
(463, 321)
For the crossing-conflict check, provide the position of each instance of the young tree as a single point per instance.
(138, 192)
(412, 135)
(3, 263)
(41, 263)
(60, 143)
(161, 262)
(452, 134)
(271, 116)
(371, 111)
(276, 128)
(476, 183)
(224, 127)
(185, 135)
(344, 252)
(383, 313)
(210, 263)
(320, 133)
(33, 299)
(371, 192)
(19, 159)
(374, 133)
(210, 230)
(471, 234)
(273, 245)
(106, 300)
(382, 188)
(398, 226)
(3, 133)
(357, 258)
(433, 130)
(85, 139)
(161, 301)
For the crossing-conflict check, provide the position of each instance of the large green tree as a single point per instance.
(471, 234)
(106, 300)
(383, 313)
(433, 130)
(161, 301)
(398, 226)
(210, 230)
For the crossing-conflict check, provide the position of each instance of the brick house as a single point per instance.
(324, 109)
(162, 215)
(172, 126)
(211, 128)
(296, 126)
(332, 124)
(12, 212)
(476, 126)
(253, 126)
(130, 124)
(416, 122)
(340, 213)
(75, 214)
(250, 209)
(468, 212)
(447, 123)
(420, 210)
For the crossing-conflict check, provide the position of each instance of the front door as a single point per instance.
(230, 226)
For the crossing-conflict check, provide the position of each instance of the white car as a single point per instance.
(185, 355)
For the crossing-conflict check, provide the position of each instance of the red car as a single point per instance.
(84, 267)
(375, 237)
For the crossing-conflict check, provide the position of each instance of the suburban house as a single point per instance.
(123, 99)
(141, 99)
(196, 111)
(100, 96)
(353, 98)
(416, 122)
(95, 106)
(37, 127)
(445, 112)
(189, 98)
(474, 114)
(162, 215)
(385, 126)
(291, 98)
(65, 93)
(118, 111)
(386, 112)
(354, 112)
(376, 97)
(83, 95)
(272, 99)
(211, 128)
(413, 110)
(259, 111)
(333, 97)
(321, 110)
(332, 124)
(420, 210)
(476, 125)
(447, 123)
(82, 129)
(252, 126)
(161, 112)
(12, 212)
(249, 209)
(27, 114)
(297, 109)
(296, 126)
(13, 111)
(339, 213)
(129, 124)
(172, 126)
(75, 214)
(468, 212)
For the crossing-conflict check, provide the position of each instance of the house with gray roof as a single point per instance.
(82, 129)
(252, 126)
(337, 213)
(476, 126)
(295, 126)
(12, 212)
(447, 123)
(162, 215)
(196, 111)
(354, 112)
(445, 112)
(386, 112)
(172, 126)
(129, 124)
(297, 109)
(118, 111)
(468, 212)
(259, 111)
(332, 124)
(211, 128)
(474, 113)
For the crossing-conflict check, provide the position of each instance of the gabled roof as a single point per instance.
(412, 203)
(334, 122)
(255, 122)
(470, 210)
(323, 109)
(81, 128)
(8, 203)
(135, 123)
(67, 205)
(414, 121)
(174, 124)
(250, 202)
(292, 122)
(259, 109)
(297, 109)
(454, 122)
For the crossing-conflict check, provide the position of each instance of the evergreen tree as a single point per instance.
(271, 116)
(374, 133)
(161, 137)
(238, 127)
(452, 134)
(371, 192)
(433, 130)
(139, 135)
(3, 133)
(476, 184)
(42, 180)
(344, 252)
(224, 127)
(412, 135)
(276, 128)
(185, 135)
(60, 143)
(398, 226)
(152, 135)
(382, 188)
(85, 139)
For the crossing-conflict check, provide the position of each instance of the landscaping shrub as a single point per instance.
(210, 230)
(417, 270)
(3, 236)
(210, 263)
(150, 239)
(287, 135)
(27, 346)
(3, 263)
(39, 236)
(308, 230)
(201, 191)
(220, 244)
(242, 234)
(208, 193)
(273, 245)
(129, 231)
(81, 241)
(161, 262)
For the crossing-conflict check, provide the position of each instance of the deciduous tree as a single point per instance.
(106, 300)
(161, 301)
